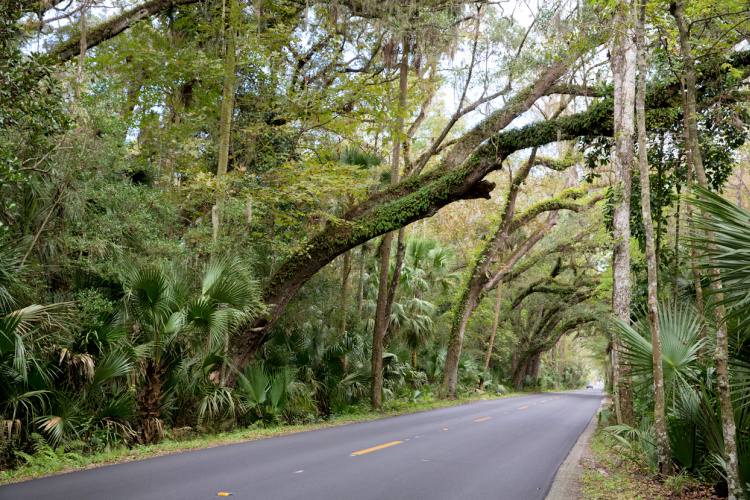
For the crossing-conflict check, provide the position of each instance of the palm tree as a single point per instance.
(426, 266)
(153, 300)
(228, 297)
(25, 376)
(728, 251)
(723, 236)
(165, 317)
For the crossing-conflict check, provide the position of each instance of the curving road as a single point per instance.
(501, 449)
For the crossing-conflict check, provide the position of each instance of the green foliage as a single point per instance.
(636, 444)
(725, 250)
(31, 109)
(693, 418)
(680, 345)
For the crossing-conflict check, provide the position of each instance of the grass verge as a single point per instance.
(52, 462)
(608, 476)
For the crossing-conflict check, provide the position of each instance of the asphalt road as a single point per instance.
(502, 449)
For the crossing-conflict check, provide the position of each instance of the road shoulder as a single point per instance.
(567, 482)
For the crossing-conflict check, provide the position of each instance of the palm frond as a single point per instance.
(727, 250)
(680, 339)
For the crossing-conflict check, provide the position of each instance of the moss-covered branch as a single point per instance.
(423, 195)
(113, 27)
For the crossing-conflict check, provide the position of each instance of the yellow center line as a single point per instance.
(368, 450)
(521, 408)
(482, 419)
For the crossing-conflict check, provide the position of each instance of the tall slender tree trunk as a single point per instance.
(623, 71)
(689, 213)
(227, 107)
(225, 132)
(721, 353)
(361, 286)
(227, 95)
(676, 289)
(395, 278)
(82, 56)
(492, 335)
(381, 310)
(663, 451)
(347, 268)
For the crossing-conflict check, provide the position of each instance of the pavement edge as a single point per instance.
(566, 485)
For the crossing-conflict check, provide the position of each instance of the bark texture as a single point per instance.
(491, 343)
(149, 428)
(347, 268)
(623, 73)
(227, 94)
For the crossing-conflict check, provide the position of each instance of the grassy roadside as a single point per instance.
(608, 476)
(51, 462)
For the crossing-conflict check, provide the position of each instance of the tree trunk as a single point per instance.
(492, 335)
(382, 315)
(347, 268)
(534, 372)
(663, 451)
(376, 376)
(82, 56)
(361, 287)
(467, 304)
(676, 290)
(689, 213)
(623, 72)
(518, 375)
(721, 353)
(227, 108)
(227, 95)
(149, 429)
(393, 286)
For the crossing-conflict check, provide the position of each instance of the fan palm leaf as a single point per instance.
(728, 250)
(681, 343)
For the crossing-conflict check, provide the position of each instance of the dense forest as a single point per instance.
(224, 213)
